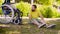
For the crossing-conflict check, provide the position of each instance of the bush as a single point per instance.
(49, 11)
(24, 7)
(1, 1)
(1, 11)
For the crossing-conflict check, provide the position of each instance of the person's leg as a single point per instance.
(34, 21)
(47, 25)
(42, 22)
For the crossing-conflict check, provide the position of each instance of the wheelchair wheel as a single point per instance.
(17, 21)
(7, 17)
(18, 18)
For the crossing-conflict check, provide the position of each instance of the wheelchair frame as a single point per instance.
(12, 18)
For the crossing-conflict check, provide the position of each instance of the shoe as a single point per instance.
(51, 26)
(42, 25)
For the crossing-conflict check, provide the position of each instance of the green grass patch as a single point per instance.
(32, 29)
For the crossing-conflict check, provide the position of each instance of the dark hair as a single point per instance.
(34, 6)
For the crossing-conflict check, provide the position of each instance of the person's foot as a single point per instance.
(42, 25)
(51, 26)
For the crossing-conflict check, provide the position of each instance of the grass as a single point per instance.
(32, 29)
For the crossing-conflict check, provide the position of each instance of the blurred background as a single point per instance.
(48, 8)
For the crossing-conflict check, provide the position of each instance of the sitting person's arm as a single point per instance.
(29, 16)
(41, 16)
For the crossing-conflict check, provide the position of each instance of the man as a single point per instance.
(34, 15)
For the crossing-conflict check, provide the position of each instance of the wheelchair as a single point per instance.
(11, 15)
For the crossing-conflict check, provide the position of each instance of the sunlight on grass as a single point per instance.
(32, 29)
(13, 32)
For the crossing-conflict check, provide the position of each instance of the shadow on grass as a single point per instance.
(32, 29)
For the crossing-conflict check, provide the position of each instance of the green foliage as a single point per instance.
(1, 1)
(45, 2)
(49, 11)
(24, 7)
(1, 11)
